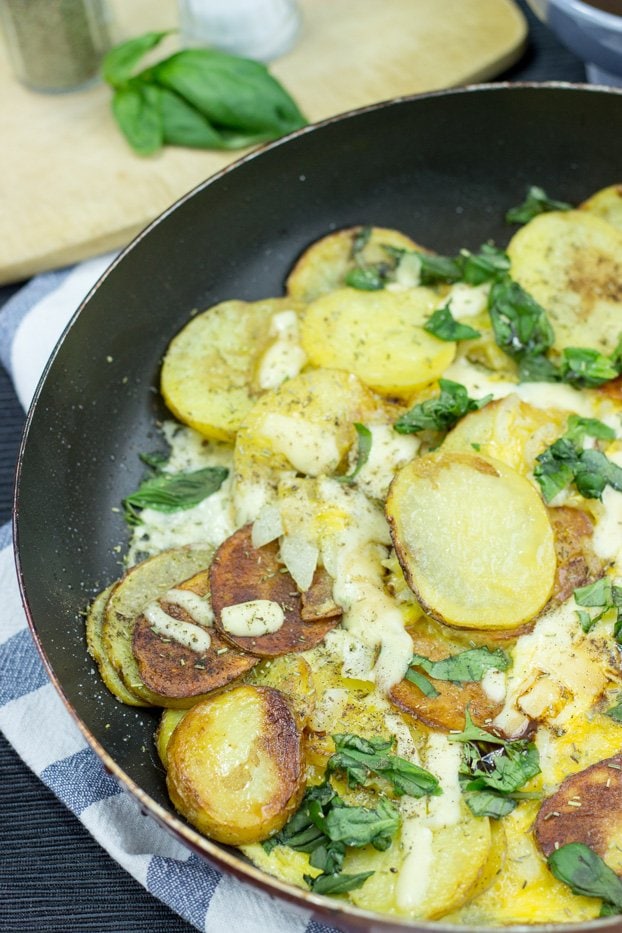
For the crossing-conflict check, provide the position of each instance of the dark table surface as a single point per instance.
(54, 878)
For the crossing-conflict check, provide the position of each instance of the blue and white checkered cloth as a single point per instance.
(34, 719)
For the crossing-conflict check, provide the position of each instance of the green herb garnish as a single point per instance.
(565, 461)
(465, 667)
(366, 276)
(603, 595)
(336, 884)
(362, 759)
(615, 712)
(536, 202)
(364, 441)
(420, 680)
(587, 874)
(443, 325)
(201, 98)
(472, 268)
(440, 413)
(520, 325)
(173, 492)
(586, 368)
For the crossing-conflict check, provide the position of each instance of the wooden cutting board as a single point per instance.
(71, 188)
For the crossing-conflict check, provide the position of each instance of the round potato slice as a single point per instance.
(379, 336)
(207, 373)
(94, 621)
(474, 540)
(587, 808)
(325, 264)
(577, 563)
(291, 676)
(607, 204)
(168, 722)
(571, 262)
(235, 765)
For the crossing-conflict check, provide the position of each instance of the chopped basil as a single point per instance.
(419, 680)
(473, 733)
(603, 595)
(173, 492)
(435, 269)
(615, 712)
(537, 369)
(520, 325)
(586, 368)
(578, 428)
(361, 759)
(536, 202)
(465, 667)
(587, 874)
(364, 440)
(565, 461)
(484, 266)
(361, 826)
(367, 276)
(156, 459)
(487, 803)
(443, 325)
(442, 412)
(337, 883)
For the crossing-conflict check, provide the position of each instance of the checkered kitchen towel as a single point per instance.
(37, 724)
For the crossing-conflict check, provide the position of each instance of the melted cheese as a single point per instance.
(255, 617)
(443, 759)
(185, 633)
(466, 300)
(310, 448)
(196, 606)
(414, 875)
(285, 357)
(389, 451)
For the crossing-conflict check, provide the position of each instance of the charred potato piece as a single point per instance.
(239, 574)
(208, 369)
(571, 262)
(447, 710)
(317, 601)
(235, 765)
(577, 564)
(587, 808)
(109, 675)
(473, 539)
(180, 673)
(607, 204)
(291, 676)
(325, 264)
(378, 336)
(140, 586)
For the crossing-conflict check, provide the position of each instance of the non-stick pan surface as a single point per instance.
(441, 167)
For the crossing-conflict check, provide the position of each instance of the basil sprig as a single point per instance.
(442, 412)
(493, 770)
(465, 667)
(565, 462)
(520, 325)
(364, 442)
(536, 202)
(171, 492)
(201, 98)
(604, 595)
(363, 759)
(443, 325)
(585, 873)
(472, 268)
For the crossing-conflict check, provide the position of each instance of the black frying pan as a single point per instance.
(441, 167)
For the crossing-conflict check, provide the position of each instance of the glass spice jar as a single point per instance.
(55, 45)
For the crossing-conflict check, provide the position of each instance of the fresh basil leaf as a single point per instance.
(419, 680)
(579, 427)
(440, 413)
(155, 460)
(365, 278)
(361, 758)
(230, 92)
(506, 770)
(435, 269)
(586, 368)
(594, 594)
(359, 242)
(586, 873)
(466, 666)
(364, 442)
(586, 621)
(594, 472)
(136, 108)
(487, 803)
(615, 712)
(119, 63)
(173, 492)
(361, 826)
(473, 733)
(183, 125)
(520, 325)
(556, 467)
(443, 325)
(488, 264)
(536, 202)
(537, 369)
(328, 857)
(336, 884)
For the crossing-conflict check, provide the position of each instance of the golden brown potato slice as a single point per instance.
(317, 601)
(577, 564)
(96, 649)
(235, 765)
(239, 574)
(208, 369)
(177, 672)
(325, 264)
(571, 262)
(447, 710)
(474, 540)
(607, 204)
(378, 336)
(292, 676)
(587, 808)
(140, 586)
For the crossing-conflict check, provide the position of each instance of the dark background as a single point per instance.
(54, 878)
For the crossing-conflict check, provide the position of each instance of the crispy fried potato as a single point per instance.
(140, 586)
(168, 721)
(94, 643)
(235, 765)
(207, 373)
(587, 808)
(571, 262)
(378, 336)
(325, 264)
(607, 204)
(291, 676)
(470, 534)
(317, 601)
(177, 672)
(447, 710)
(577, 564)
(240, 573)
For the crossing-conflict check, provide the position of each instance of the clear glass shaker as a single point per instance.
(259, 29)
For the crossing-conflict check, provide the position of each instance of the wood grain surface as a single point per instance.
(70, 187)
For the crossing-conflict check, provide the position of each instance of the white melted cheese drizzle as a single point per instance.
(389, 451)
(494, 685)
(607, 538)
(196, 606)
(414, 876)
(285, 357)
(184, 633)
(255, 617)
(443, 759)
(310, 448)
(466, 300)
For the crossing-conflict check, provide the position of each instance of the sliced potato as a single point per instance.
(571, 262)
(445, 711)
(208, 369)
(317, 601)
(577, 563)
(607, 204)
(241, 573)
(109, 675)
(378, 336)
(179, 673)
(473, 539)
(291, 676)
(235, 765)
(325, 264)
(587, 808)
(140, 586)
(168, 722)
